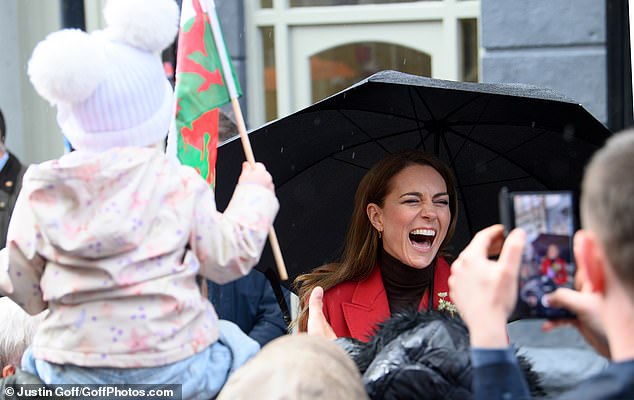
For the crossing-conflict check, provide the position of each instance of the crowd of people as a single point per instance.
(105, 245)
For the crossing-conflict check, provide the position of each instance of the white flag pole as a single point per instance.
(210, 8)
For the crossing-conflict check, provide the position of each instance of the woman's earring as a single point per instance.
(380, 233)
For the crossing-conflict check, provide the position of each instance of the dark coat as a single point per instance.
(250, 303)
(419, 355)
(10, 184)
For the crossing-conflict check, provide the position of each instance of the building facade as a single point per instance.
(290, 53)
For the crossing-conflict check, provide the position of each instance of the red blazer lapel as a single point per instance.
(442, 272)
(367, 307)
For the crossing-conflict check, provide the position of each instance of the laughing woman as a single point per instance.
(404, 216)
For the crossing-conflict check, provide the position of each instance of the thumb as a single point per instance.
(317, 324)
(564, 298)
(316, 300)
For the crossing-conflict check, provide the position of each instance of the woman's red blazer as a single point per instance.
(354, 308)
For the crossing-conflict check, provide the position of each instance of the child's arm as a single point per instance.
(21, 266)
(229, 244)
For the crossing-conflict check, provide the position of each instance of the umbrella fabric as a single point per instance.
(492, 135)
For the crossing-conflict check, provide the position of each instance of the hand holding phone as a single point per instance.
(547, 261)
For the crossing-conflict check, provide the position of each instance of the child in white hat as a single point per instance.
(110, 237)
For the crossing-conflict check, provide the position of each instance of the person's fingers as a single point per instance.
(496, 245)
(481, 242)
(317, 323)
(316, 300)
(511, 254)
(565, 298)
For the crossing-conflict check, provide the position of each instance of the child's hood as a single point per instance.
(94, 205)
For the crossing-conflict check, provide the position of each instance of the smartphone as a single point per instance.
(548, 219)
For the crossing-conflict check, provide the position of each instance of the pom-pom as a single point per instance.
(147, 24)
(67, 66)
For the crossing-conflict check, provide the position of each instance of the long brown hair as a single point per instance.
(362, 242)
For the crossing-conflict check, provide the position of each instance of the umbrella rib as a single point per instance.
(498, 155)
(424, 103)
(360, 129)
(496, 181)
(418, 125)
(519, 145)
(473, 126)
(459, 186)
(418, 122)
(406, 117)
(463, 105)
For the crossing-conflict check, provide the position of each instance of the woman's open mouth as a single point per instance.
(422, 238)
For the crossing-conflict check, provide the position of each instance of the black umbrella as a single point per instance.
(492, 135)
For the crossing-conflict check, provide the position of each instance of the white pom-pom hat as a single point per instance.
(110, 87)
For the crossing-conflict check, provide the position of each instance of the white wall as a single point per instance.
(32, 132)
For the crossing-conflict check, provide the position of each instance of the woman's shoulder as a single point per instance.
(345, 290)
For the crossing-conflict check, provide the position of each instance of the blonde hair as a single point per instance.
(297, 367)
(606, 202)
(16, 331)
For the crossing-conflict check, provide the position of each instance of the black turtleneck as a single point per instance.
(404, 285)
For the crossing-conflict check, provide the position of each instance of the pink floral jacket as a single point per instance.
(111, 244)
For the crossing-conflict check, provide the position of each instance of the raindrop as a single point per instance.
(293, 167)
(404, 61)
(316, 121)
(533, 124)
(282, 149)
(342, 146)
(354, 154)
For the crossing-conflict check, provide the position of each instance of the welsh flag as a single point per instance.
(200, 88)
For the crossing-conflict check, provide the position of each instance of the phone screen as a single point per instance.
(547, 261)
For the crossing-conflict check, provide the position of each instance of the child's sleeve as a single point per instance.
(21, 266)
(229, 244)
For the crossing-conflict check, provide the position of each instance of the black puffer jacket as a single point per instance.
(418, 355)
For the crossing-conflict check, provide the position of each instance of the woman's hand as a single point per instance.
(317, 324)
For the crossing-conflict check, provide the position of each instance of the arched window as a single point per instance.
(335, 69)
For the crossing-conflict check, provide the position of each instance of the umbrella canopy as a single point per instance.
(492, 135)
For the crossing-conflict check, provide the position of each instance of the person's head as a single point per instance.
(410, 212)
(406, 204)
(297, 367)
(607, 212)
(396, 200)
(109, 86)
(552, 252)
(16, 331)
